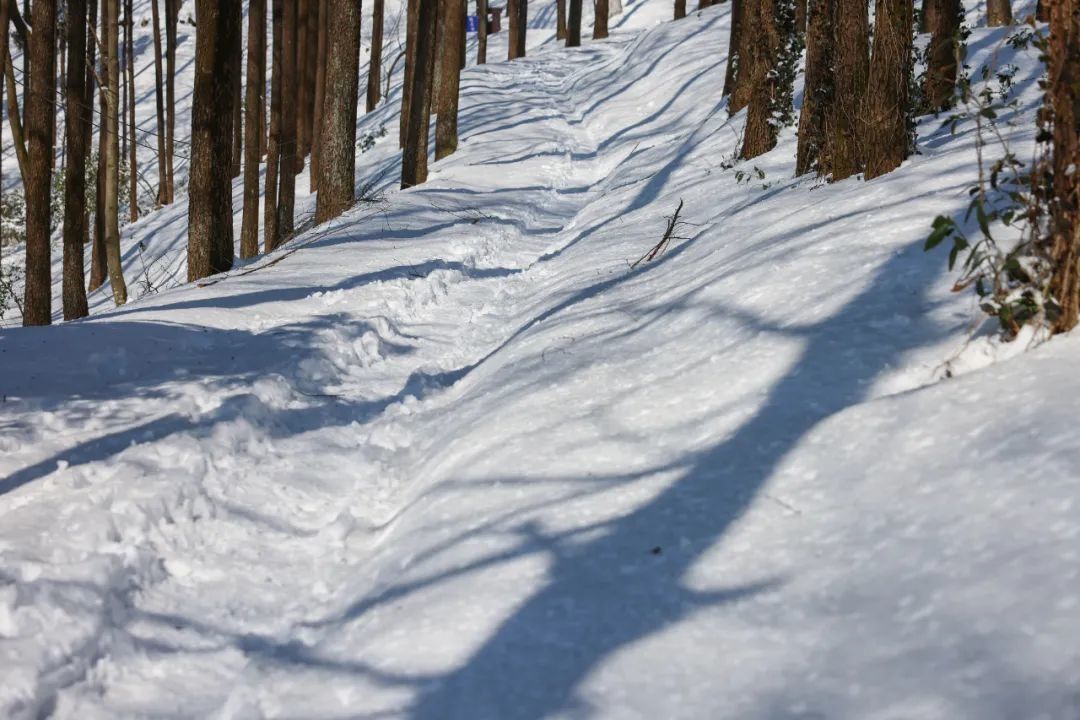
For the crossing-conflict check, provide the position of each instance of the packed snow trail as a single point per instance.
(451, 458)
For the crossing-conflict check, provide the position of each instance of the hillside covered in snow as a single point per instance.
(459, 455)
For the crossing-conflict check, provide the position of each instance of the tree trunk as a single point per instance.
(337, 153)
(303, 115)
(112, 158)
(941, 58)
(573, 24)
(133, 158)
(37, 304)
(210, 215)
(762, 59)
(309, 62)
(800, 16)
(320, 91)
(255, 98)
(744, 39)
(375, 62)
(237, 105)
(159, 100)
(410, 63)
(813, 149)
(78, 117)
(289, 150)
(271, 235)
(171, 11)
(98, 255)
(560, 19)
(414, 158)
(446, 127)
(680, 9)
(1042, 11)
(888, 136)
(600, 21)
(1063, 91)
(733, 46)
(519, 20)
(998, 13)
(851, 63)
(929, 16)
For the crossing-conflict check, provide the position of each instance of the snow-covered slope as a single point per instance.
(451, 457)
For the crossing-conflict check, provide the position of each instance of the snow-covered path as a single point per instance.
(452, 458)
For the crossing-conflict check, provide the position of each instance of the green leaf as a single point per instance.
(984, 223)
(943, 227)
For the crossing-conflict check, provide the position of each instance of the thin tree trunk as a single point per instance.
(171, 11)
(98, 255)
(337, 154)
(289, 150)
(235, 62)
(451, 49)
(998, 13)
(210, 215)
(273, 147)
(255, 99)
(307, 77)
(851, 64)
(800, 16)
(133, 160)
(760, 134)
(37, 303)
(78, 101)
(680, 9)
(375, 61)
(573, 24)
(1063, 91)
(414, 158)
(887, 140)
(482, 32)
(560, 19)
(159, 101)
(600, 20)
(941, 62)
(813, 149)
(14, 118)
(112, 158)
(320, 92)
(410, 63)
(743, 42)
(519, 22)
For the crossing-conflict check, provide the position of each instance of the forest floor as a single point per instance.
(453, 456)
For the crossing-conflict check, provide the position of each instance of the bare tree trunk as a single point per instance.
(929, 16)
(375, 62)
(14, 114)
(482, 32)
(272, 237)
(1042, 11)
(133, 159)
(289, 149)
(760, 134)
(600, 21)
(210, 216)
(851, 64)
(573, 24)
(451, 49)
(37, 303)
(78, 117)
(235, 62)
(941, 61)
(171, 11)
(255, 98)
(888, 140)
(742, 84)
(98, 256)
(998, 13)
(303, 12)
(560, 19)
(307, 76)
(680, 9)
(414, 159)
(813, 149)
(337, 161)
(112, 158)
(1063, 91)
(410, 64)
(800, 16)
(160, 103)
(320, 91)
(519, 20)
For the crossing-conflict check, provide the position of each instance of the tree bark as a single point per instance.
(320, 90)
(271, 235)
(733, 47)
(414, 158)
(680, 9)
(410, 63)
(482, 31)
(303, 110)
(573, 24)
(813, 149)
(255, 98)
(600, 21)
(446, 127)
(800, 16)
(337, 154)
(98, 255)
(560, 19)
(887, 138)
(998, 13)
(851, 25)
(518, 11)
(1063, 91)
(941, 62)
(760, 134)
(37, 303)
(112, 158)
(133, 157)
(171, 11)
(289, 149)
(159, 101)
(237, 108)
(76, 121)
(210, 215)
(744, 43)
(309, 62)
(375, 62)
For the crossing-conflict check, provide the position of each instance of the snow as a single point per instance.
(448, 456)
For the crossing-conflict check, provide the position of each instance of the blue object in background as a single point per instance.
(472, 24)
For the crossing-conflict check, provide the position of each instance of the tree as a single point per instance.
(337, 154)
(414, 158)
(133, 158)
(680, 9)
(560, 19)
(600, 19)
(812, 152)
(375, 62)
(851, 64)
(770, 72)
(941, 57)
(518, 12)
(210, 216)
(573, 24)
(172, 10)
(481, 35)
(237, 106)
(450, 49)
(301, 88)
(255, 99)
(98, 255)
(272, 237)
(286, 196)
(734, 38)
(888, 136)
(411, 10)
(76, 137)
(744, 50)
(1063, 96)
(37, 305)
(320, 90)
(112, 156)
(159, 102)
(998, 13)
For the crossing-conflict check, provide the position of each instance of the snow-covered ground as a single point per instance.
(449, 456)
